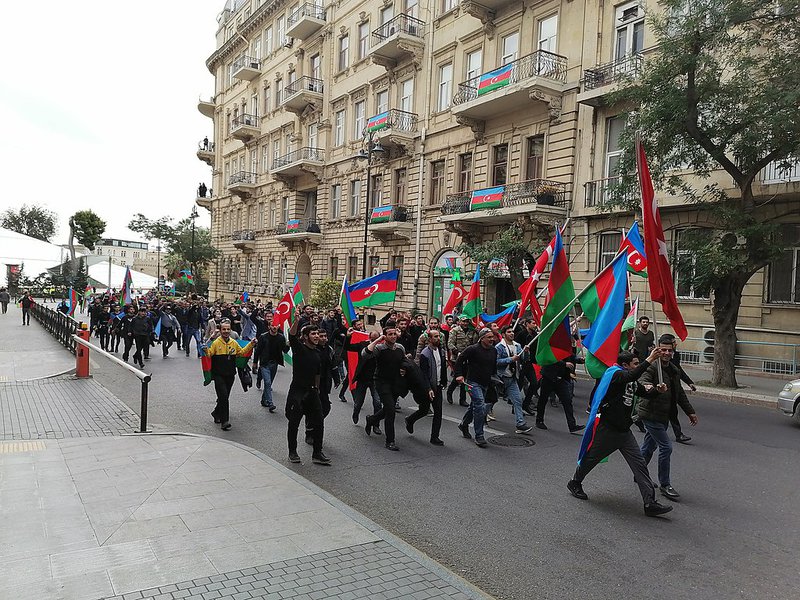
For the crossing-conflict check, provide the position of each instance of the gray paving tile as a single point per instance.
(222, 516)
(25, 570)
(86, 586)
(194, 541)
(160, 572)
(152, 509)
(251, 554)
(102, 558)
(144, 529)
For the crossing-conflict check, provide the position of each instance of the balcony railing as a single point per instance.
(627, 67)
(599, 191)
(246, 235)
(298, 226)
(246, 62)
(243, 177)
(539, 64)
(781, 171)
(394, 119)
(205, 146)
(399, 24)
(310, 154)
(535, 191)
(309, 9)
(390, 213)
(304, 84)
(244, 120)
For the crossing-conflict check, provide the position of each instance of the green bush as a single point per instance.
(325, 293)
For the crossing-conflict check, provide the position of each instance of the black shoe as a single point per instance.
(682, 439)
(449, 398)
(465, 431)
(541, 425)
(392, 446)
(481, 443)
(295, 458)
(216, 418)
(640, 426)
(576, 489)
(654, 509)
(355, 418)
(575, 428)
(376, 430)
(368, 426)
(529, 410)
(320, 459)
(524, 428)
(309, 438)
(272, 408)
(226, 426)
(437, 442)
(342, 398)
(264, 404)
(669, 492)
(409, 426)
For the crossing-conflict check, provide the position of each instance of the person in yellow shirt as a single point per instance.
(223, 352)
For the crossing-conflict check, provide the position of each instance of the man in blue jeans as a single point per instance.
(475, 367)
(658, 393)
(509, 357)
(266, 358)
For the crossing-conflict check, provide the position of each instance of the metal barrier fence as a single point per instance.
(61, 326)
(759, 357)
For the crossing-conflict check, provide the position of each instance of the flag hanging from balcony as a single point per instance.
(456, 296)
(380, 289)
(378, 122)
(495, 79)
(127, 285)
(381, 214)
(633, 243)
(555, 341)
(486, 198)
(293, 225)
(472, 304)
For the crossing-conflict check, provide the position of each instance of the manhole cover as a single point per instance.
(511, 441)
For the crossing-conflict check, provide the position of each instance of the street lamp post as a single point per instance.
(193, 216)
(372, 147)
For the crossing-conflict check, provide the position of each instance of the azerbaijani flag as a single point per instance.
(502, 318)
(472, 304)
(381, 214)
(456, 295)
(157, 328)
(346, 304)
(594, 417)
(205, 364)
(293, 225)
(633, 243)
(187, 276)
(243, 359)
(555, 341)
(352, 357)
(87, 295)
(243, 297)
(378, 122)
(629, 323)
(72, 301)
(127, 285)
(603, 340)
(493, 80)
(297, 293)
(379, 289)
(486, 198)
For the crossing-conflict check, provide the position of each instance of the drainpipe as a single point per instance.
(420, 196)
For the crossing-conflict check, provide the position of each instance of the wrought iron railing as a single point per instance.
(398, 120)
(304, 84)
(392, 213)
(627, 67)
(245, 235)
(246, 62)
(205, 146)
(305, 153)
(534, 191)
(243, 177)
(599, 191)
(298, 226)
(399, 24)
(781, 171)
(244, 120)
(539, 64)
(60, 326)
(309, 9)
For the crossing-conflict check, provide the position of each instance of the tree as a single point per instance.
(35, 221)
(325, 293)
(720, 93)
(88, 228)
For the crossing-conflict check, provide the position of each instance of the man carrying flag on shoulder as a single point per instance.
(610, 430)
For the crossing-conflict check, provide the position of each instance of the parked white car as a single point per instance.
(789, 400)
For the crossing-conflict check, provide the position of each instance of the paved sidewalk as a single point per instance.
(29, 352)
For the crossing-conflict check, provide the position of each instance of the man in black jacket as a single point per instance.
(428, 392)
(555, 378)
(474, 368)
(614, 433)
(388, 356)
(364, 378)
(266, 358)
(141, 328)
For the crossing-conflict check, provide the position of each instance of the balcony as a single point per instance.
(302, 93)
(242, 183)
(395, 128)
(244, 240)
(305, 21)
(398, 39)
(245, 127)
(205, 152)
(787, 171)
(203, 202)
(607, 78)
(539, 77)
(391, 220)
(246, 68)
(540, 199)
(299, 230)
(598, 192)
(297, 163)
(206, 108)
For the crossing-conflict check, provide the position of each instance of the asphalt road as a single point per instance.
(502, 516)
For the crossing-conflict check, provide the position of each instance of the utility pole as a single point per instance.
(193, 216)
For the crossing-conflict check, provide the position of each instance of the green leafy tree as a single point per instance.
(720, 93)
(325, 293)
(35, 221)
(87, 227)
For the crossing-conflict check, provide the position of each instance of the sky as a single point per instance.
(98, 108)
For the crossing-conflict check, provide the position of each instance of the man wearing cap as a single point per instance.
(461, 336)
(475, 367)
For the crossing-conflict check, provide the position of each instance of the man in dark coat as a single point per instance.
(428, 393)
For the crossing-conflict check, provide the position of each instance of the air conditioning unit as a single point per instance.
(708, 345)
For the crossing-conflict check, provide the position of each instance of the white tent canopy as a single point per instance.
(99, 271)
(36, 256)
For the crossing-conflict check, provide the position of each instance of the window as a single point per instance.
(344, 52)
(272, 273)
(287, 140)
(500, 164)
(437, 182)
(784, 278)
(313, 135)
(464, 172)
(376, 190)
(607, 248)
(407, 95)
(445, 86)
(273, 213)
(381, 102)
(262, 215)
(352, 269)
(355, 197)
(264, 158)
(268, 42)
(630, 30)
(278, 91)
(510, 45)
(276, 149)
(474, 64)
(284, 209)
(267, 98)
(400, 186)
(686, 265)
(614, 127)
(363, 40)
(359, 121)
(281, 30)
(448, 5)
(387, 14)
(334, 272)
(410, 8)
(397, 263)
(284, 271)
(336, 201)
(316, 66)
(534, 157)
(374, 265)
(548, 32)
(122, 253)
(260, 270)
(338, 128)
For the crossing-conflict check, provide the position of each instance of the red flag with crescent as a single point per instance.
(283, 312)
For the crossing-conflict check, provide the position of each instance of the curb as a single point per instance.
(454, 580)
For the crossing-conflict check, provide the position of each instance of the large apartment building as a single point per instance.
(354, 128)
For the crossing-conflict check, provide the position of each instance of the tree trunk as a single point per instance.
(725, 310)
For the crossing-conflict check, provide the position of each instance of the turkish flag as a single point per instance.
(283, 312)
(456, 296)
(662, 288)
(528, 287)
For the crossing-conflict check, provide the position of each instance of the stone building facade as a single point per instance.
(460, 96)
